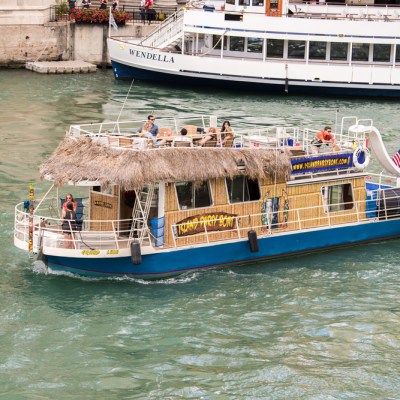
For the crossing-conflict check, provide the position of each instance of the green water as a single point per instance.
(317, 327)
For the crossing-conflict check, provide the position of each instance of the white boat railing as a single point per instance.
(110, 235)
(166, 31)
(286, 221)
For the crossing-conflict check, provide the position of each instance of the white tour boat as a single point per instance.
(271, 46)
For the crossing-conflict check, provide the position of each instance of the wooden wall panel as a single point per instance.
(103, 207)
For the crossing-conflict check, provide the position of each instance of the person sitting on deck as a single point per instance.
(182, 138)
(226, 133)
(153, 129)
(323, 137)
(210, 135)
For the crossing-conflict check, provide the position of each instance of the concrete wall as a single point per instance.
(59, 41)
(26, 12)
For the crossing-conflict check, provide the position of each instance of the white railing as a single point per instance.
(114, 234)
(286, 221)
(166, 31)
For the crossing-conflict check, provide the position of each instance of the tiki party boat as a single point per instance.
(151, 209)
(346, 47)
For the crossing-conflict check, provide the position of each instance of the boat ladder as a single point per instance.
(140, 213)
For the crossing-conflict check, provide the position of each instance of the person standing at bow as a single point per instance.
(324, 137)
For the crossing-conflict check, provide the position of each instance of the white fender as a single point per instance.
(367, 157)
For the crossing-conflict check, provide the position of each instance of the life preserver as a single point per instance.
(361, 157)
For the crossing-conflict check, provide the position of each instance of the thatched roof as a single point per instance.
(82, 159)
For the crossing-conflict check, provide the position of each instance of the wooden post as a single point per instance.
(31, 208)
(104, 55)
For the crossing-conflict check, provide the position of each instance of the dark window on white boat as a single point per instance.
(254, 45)
(339, 51)
(296, 49)
(317, 51)
(193, 194)
(337, 197)
(217, 41)
(381, 52)
(275, 48)
(241, 189)
(398, 53)
(233, 17)
(230, 2)
(360, 52)
(236, 43)
(244, 2)
(257, 3)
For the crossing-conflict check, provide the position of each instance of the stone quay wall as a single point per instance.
(27, 35)
(60, 41)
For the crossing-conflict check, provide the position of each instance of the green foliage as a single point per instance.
(62, 8)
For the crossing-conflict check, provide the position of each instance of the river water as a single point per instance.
(316, 327)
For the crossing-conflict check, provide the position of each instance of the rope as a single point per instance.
(47, 43)
(123, 105)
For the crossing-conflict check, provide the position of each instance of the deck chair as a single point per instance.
(180, 143)
(164, 131)
(191, 129)
(210, 143)
(229, 142)
(125, 142)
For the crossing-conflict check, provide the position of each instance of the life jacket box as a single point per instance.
(389, 203)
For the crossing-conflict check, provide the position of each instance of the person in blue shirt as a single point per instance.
(153, 129)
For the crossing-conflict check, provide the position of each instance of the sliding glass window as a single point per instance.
(254, 45)
(339, 51)
(275, 48)
(381, 52)
(236, 43)
(360, 52)
(317, 51)
(296, 49)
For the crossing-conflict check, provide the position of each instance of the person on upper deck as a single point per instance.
(103, 4)
(182, 137)
(153, 127)
(226, 133)
(86, 4)
(323, 137)
(211, 134)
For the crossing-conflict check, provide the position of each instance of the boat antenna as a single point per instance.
(336, 119)
(123, 105)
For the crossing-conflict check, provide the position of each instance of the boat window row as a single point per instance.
(240, 189)
(312, 50)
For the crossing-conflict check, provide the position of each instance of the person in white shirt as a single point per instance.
(183, 137)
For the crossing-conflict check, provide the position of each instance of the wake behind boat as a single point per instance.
(280, 46)
(152, 209)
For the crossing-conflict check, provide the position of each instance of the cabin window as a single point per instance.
(257, 2)
(108, 189)
(241, 189)
(254, 45)
(230, 2)
(193, 194)
(339, 51)
(217, 41)
(360, 52)
(296, 49)
(381, 52)
(337, 197)
(236, 43)
(317, 51)
(275, 48)
(244, 2)
(398, 53)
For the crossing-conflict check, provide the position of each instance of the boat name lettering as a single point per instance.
(90, 252)
(322, 163)
(210, 222)
(112, 251)
(102, 203)
(152, 56)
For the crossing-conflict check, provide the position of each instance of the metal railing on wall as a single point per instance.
(157, 14)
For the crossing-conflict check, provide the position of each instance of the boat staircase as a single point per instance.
(140, 214)
(168, 35)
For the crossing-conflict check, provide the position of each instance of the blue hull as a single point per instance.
(166, 264)
(122, 71)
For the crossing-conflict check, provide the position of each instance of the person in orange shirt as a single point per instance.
(321, 138)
